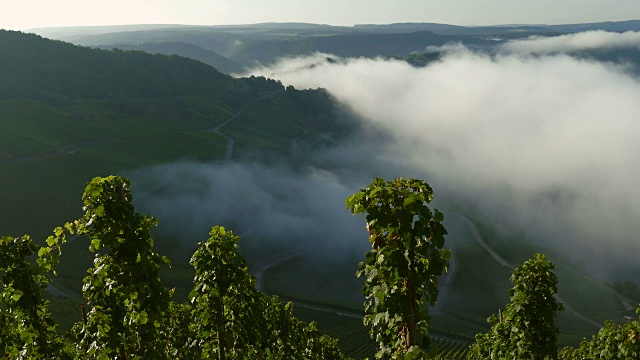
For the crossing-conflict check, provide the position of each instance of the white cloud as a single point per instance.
(263, 204)
(590, 40)
(553, 136)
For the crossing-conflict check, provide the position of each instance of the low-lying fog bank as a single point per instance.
(541, 143)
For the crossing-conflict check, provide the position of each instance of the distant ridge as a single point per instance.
(32, 67)
(191, 51)
(62, 32)
(616, 26)
(232, 48)
(441, 28)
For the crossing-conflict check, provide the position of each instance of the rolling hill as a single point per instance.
(68, 113)
(190, 51)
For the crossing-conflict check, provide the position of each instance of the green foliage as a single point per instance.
(284, 336)
(221, 295)
(613, 341)
(128, 303)
(234, 320)
(180, 332)
(402, 269)
(526, 328)
(27, 329)
(127, 312)
(131, 316)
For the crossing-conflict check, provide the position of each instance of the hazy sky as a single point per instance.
(25, 14)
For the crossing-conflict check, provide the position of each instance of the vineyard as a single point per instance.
(354, 339)
(451, 349)
(463, 315)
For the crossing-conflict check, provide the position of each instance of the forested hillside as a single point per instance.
(68, 113)
(32, 67)
(187, 50)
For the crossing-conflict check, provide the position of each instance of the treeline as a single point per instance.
(32, 67)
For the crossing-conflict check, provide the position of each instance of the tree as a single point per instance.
(613, 341)
(403, 266)
(221, 295)
(27, 328)
(128, 303)
(526, 328)
(235, 320)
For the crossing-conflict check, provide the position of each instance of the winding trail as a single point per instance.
(294, 141)
(502, 261)
(266, 263)
(230, 140)
(259, 270)
(71, 148)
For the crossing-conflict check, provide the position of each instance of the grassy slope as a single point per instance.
(57, 154)
(46, 189)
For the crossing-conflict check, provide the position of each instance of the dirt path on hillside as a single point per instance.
(502, 261)
(230, 139)
(265, 264)
(294, 141)
(72, 148)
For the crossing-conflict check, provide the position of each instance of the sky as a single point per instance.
(28, 14)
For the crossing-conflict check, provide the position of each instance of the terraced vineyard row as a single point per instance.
(451, 349)
(354, 337)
